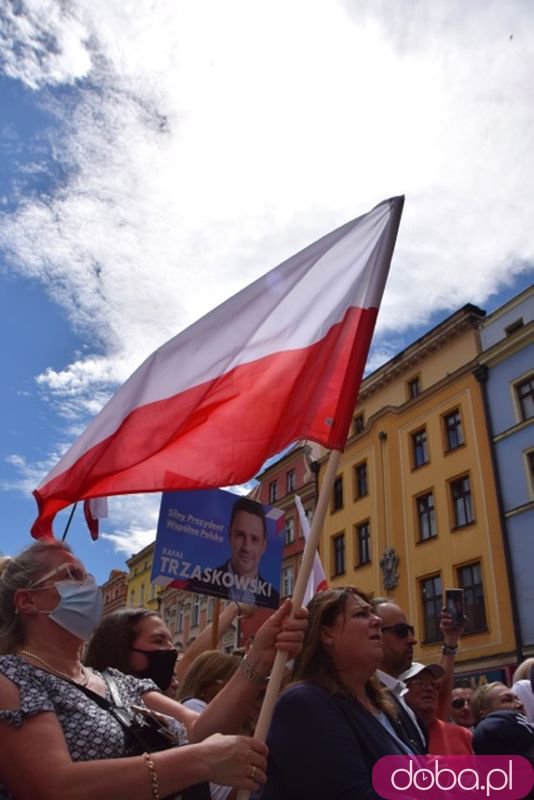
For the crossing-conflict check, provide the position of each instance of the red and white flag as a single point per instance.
(279, 361)
(317, 581)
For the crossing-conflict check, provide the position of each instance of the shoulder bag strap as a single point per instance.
(111, 683)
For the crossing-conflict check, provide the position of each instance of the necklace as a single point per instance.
(85, 673)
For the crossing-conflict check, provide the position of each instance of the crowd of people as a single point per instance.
(98, 707)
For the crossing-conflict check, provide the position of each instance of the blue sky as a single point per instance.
(152, 164)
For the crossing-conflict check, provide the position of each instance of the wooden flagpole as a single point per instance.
(277, 674)
(215, 624)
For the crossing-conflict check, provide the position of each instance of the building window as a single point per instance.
(426, 516)
(288, 576)
(419, 448)
(530, 470)
(209, 609)
(338, 547)
(360, 480)
(462, 504)
(167, 617)
(289, 531)
(470, 580)
(431, 602)
(525, 396)
(337, 494)
(514, 326)
(454, 435)
(291, 481)
(180, 619)
(363, 543)
(195, 610)
(132, 597)
(273, 492)
(358, 423)
(414, 387)
(142, 595)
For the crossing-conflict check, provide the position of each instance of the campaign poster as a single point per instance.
(218, 543)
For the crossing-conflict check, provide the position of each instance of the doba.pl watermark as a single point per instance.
(452, 777)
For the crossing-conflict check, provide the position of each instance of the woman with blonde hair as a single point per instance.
(523, 686)
(58, 743)
(205, 678)
(334, 722)
(494, 696)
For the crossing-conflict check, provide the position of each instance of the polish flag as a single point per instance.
(317, 581)
(281, 360)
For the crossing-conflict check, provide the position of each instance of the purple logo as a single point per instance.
(452, 777)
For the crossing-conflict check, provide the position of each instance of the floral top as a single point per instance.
(90, 731)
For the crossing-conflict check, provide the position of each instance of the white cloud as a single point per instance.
(202, 143)
(129, 541)
(131, 523)
(27, 475)
(42, 43)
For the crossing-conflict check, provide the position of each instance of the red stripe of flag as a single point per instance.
(280, 361)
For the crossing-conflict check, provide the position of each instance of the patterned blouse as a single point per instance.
(90, 732)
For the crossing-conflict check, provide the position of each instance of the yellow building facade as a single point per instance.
(141, 592)
(414, 507)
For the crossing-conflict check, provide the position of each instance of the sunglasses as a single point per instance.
(68, 572)
(459, 703)
(400, 629)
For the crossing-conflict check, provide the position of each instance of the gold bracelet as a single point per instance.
(151, 767)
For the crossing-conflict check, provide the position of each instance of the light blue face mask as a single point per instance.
(79, 608)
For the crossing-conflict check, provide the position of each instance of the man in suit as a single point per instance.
(248, 542)
(239, 578)
(398, 640)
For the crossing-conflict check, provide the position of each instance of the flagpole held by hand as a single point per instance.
(312, 543)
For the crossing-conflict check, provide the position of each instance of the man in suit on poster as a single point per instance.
(239, 578)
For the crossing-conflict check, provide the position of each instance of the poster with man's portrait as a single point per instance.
(221, 544)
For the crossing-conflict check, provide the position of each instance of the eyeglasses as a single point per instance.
(71, 572)
(400, 629)
(458, 702)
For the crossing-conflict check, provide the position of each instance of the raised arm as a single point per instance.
(231, 707)
(204, 640)
(29, 773)
(451, 635)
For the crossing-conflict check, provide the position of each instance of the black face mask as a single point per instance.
(160, 666)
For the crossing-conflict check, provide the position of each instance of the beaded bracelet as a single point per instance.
(153, 776)
(250, 673)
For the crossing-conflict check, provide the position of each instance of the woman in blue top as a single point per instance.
(331, 726)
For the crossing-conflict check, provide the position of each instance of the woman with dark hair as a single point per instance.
(135, 641)
(59, 743)
(334, 721)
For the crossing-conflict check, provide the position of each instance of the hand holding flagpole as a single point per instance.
(310, 550)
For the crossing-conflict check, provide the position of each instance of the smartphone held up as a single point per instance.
(454, 603)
